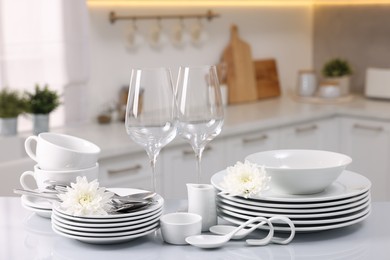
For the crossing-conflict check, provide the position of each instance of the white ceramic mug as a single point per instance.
(176, 227)
(60, 152)
(65, 176)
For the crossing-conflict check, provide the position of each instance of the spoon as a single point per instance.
(214, 241)
(124, 208)
(277, 240)
(225, 229)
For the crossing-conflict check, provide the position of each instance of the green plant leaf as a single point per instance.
(336, 68)
(42, 101)
(12, 104)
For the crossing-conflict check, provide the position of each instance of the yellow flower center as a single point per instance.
(246, 178)
(85, 199)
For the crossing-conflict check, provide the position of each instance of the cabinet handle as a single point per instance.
(132, 169)
(190, 152)
(305, 129)
(255, 139)
(368, 127)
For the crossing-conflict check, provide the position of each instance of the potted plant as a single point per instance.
(41, 103)
(11, 106)
(339, 71)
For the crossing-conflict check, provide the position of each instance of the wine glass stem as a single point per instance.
(198, 155)
(153, 160)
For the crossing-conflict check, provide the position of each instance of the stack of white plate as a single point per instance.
(346, 202)
(42, 207)
(112, 228)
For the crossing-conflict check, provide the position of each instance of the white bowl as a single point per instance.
(301, 171)
(176, 227)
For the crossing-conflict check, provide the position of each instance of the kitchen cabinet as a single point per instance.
(179, 167)
(318, 135)
(238, 147)
(367, 142)
(128, 170)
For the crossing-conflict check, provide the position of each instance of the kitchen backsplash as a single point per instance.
(360, 34)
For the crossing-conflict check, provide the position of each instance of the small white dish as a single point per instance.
(176, 227)
(301, 172)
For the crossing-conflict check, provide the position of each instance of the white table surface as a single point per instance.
(24, 235)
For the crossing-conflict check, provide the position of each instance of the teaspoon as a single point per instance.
(214, 241)
(225, 229)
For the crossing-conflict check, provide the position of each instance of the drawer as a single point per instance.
(130, 170)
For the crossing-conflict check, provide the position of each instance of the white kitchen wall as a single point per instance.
(284, 33)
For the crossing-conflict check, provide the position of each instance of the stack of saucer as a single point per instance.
(347, 201)
(111, 228)
(41, 207)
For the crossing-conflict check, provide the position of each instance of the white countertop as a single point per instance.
(25, 235)
(248, 117)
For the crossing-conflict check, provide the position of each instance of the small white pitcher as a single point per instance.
(201, 201)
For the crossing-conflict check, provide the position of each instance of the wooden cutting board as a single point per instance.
(267, 80)
(240, 77)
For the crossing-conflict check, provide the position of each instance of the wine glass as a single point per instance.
(151, 119)
(200, 109)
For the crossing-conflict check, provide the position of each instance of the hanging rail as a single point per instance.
(113, 17)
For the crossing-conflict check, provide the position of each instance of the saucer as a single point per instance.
(45, 213)
(35, 202)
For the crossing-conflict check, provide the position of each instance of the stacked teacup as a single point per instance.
(60, 158)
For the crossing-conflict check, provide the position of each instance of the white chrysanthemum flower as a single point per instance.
(245, 179)
(84, 198)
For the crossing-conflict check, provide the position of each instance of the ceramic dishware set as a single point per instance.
(312, 188)
(61, 158)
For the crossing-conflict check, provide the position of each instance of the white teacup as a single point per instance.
(175, 227)
(62, 152)
(65, 176)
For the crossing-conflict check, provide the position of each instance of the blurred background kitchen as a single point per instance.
(75, 48)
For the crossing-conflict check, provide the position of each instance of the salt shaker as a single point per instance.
(201, 201)
(307, 83)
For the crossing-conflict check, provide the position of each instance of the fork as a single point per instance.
(138, 197)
